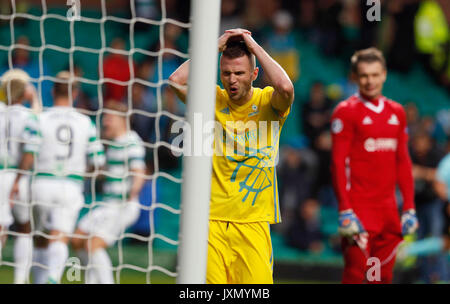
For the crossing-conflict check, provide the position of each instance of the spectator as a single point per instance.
(350, 20)
(281, 44)
(368, 36)
(306, 20)
(174, 39)
(412, 118)
(296, 172)
(432, 127)
(316, 113)
(323, 188)
(83, 100)
(259, 12)
(330, 29)
(403, 14)
(22, 59)
(305, 233)
(148, 9)
(231, 15)
(432, 36)
(146, 72)
(117, 67)
(141, 121)
(166, 158)
(178, 10)
(425, 158)
(443, 119)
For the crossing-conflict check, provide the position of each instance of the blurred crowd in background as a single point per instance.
(410, 32)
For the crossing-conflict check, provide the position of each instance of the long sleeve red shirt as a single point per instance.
(370, 154)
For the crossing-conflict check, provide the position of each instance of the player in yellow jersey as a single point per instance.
(244, 193)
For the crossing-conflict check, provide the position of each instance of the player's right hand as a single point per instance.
(349, 224)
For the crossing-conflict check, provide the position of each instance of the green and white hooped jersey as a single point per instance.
(15, 130)
(64, 141)
(123, 154)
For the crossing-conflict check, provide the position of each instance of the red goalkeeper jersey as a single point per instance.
(370, 154)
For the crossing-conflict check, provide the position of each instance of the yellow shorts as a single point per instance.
(239, 253)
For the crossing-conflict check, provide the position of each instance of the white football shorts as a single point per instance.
(57, 203)
(110, 220)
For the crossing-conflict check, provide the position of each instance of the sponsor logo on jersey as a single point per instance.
(225, 110)
(380, 144)
(367, 121)
(393, 120)
(337, 126)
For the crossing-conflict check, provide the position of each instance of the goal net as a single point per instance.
(115, 50)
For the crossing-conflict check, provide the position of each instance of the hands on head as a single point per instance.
(246, 36)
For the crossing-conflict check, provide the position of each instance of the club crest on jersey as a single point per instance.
(367, 121)
(337, 126)
(254, 109)
(393, 120)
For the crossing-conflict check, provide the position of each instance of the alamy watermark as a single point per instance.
(73, 274)
(74, 12)
(374, 12)
(236, 140)
(373, 274)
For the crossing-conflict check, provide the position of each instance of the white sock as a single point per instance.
(102, 265)
(90, 276)
(58, 253)
(40, 272)
(22, 258)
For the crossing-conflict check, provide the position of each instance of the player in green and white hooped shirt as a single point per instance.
(124, 178)
(13, 135)
(64, 143)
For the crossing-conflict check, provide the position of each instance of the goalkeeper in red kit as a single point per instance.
(369, 159)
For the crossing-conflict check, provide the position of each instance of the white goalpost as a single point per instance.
(197, 169)
(193, 214)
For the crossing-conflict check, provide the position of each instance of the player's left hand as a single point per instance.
(250, 42)
(409, 222)
(246, 35)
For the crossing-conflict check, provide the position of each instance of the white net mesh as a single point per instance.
(61, 36)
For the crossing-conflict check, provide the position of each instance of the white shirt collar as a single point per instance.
(377, 109)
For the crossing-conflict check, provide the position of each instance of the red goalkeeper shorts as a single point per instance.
(384, 235)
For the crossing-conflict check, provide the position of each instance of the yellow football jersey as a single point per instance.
(244, 184)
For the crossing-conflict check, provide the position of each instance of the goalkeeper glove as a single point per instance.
(409, 222)
(349, 224)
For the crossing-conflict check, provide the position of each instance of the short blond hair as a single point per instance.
(367, 55)
(61, 88)
(14, 83)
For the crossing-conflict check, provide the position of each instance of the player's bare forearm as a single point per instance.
(425, 173)
(25, 164)
(283, 97)
(32, 96)
(137, 184)
(178, 80)
(441, 190)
